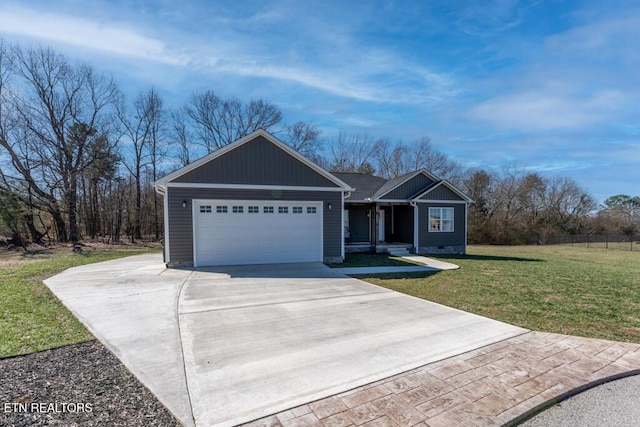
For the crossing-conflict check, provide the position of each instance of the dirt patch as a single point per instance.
(82, 384)
(15, 256)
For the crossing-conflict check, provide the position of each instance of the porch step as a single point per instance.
(399, 251)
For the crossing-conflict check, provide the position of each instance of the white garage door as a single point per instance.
(232, 232)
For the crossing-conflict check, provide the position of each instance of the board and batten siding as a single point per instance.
(441, 192)
(256, 162)
(442, 242)
(410, 188)
(359, 222)
(181, 221)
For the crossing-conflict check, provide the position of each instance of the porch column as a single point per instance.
(376, 227)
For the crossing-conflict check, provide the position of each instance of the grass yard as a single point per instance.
(31, 318)
(569, 290)
(372, 260)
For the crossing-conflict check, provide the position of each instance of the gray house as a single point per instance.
(419, 211)
(259, 201)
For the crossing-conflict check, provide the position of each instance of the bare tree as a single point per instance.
(352, 153)
(304, 138)
(218, 122)
(142, 130)
(622, 213)
(181, 136)
(395, 159)
(53, 126)
(157, 145)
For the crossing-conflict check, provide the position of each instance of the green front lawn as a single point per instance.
(563, 289)
(372, 260)
(31, 318)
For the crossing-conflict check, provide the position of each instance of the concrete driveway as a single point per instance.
(227, 345)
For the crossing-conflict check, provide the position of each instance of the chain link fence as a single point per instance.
(602, 241)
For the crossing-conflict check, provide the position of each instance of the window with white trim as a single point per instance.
(254, 209)
(283, 209)
(267, 209)
(440, 220)
(221, 209)
(311, 209)
(205, 209)
(238, 209)
(297, 209)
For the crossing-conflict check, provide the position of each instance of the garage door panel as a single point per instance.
(250, 238)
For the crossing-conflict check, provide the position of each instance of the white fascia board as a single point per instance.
(251, 187)
(260, 132)
(382, 201)
(451, 202)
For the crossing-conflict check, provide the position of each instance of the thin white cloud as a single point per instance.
(369, 74)
(618, 35)
(487, 18)
(563, 166)
(546, 110)
(84, 32)
(345, 81)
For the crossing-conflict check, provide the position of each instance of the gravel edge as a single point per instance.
(77, 385)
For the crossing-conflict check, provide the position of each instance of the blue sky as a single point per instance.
(552, 86)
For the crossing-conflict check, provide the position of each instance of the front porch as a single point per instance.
(380, 248)
(379, 227)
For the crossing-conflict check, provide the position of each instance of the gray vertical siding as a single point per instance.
(256, 162)
(441, 193)
(453, 239)
(410, 188)
(181, 225)
(359, 222)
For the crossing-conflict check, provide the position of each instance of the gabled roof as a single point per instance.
(372, 188)
(162, 182)
(447, 184)
(365, 185)
(398, 181)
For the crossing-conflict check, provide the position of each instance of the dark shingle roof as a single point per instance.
(366, 185)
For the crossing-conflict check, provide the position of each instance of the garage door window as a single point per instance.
(254, 209)
(311, 209)
(221, 209)
(205, 209)
(238, 209)
(283, 209)
(297, 209)
(267, 209)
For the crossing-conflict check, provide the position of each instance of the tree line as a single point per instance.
(78, 158)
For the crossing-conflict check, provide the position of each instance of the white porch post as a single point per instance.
(416, 241)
